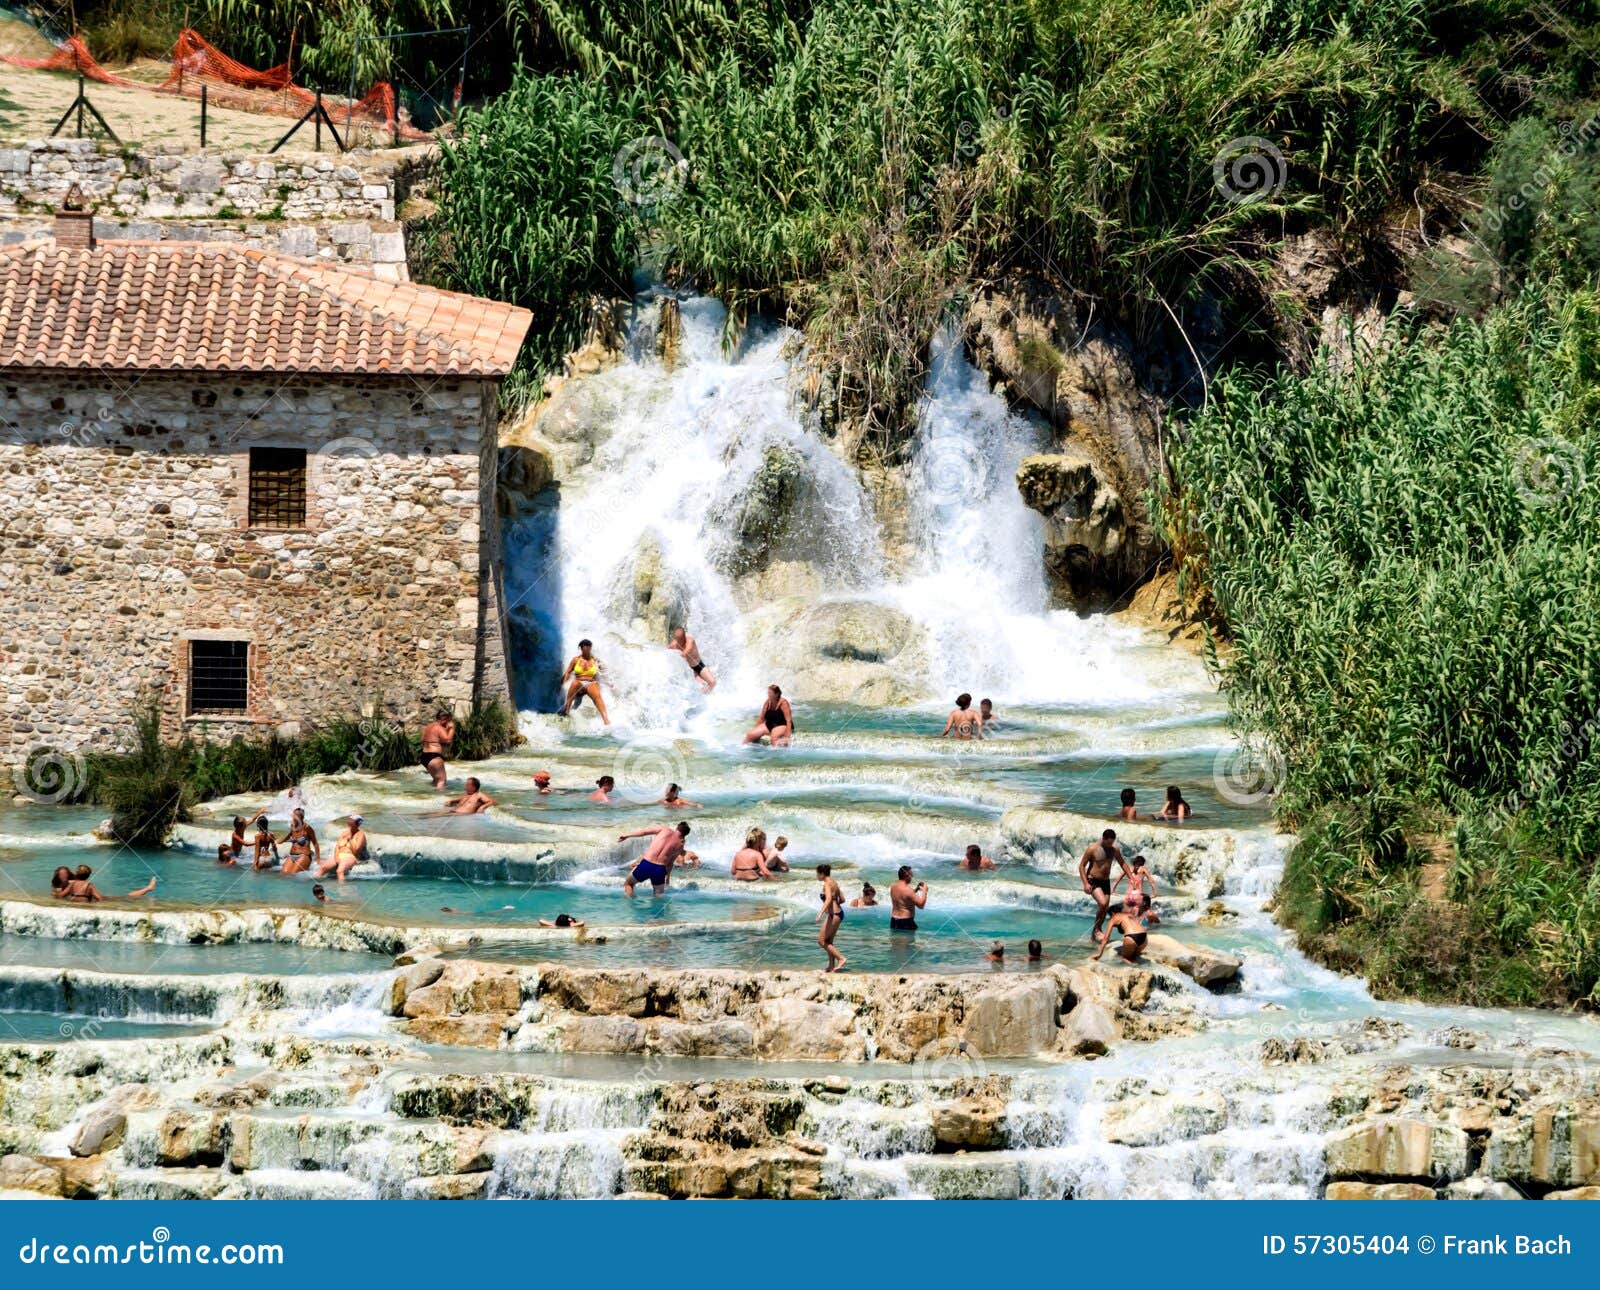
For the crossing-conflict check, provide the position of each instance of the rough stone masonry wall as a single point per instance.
(367, 245)
(123, 537)
(129, 184)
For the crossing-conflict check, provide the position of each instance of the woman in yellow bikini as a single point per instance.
(584, 671)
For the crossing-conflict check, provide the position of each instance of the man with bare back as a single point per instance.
(655, 865)
(685, 644)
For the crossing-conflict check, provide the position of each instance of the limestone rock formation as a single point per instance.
(1105, 402)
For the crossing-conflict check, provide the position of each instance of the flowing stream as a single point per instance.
(696, 493)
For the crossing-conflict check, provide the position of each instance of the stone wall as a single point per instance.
(128, 184)
(370, 245)
(123, 538)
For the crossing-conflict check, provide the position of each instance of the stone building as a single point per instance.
(258, 487)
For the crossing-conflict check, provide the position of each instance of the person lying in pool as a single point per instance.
(673, 797)
(750, 861)
(561, 920)
(975, 859)
(602, 789)
(471, 802)
(1134, 934)
(655, 865)
(963, 721)
(80, 887)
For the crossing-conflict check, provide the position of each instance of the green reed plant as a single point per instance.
(1402, 546)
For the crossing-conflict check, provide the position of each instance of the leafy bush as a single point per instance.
(1402, 549)
(157, 784)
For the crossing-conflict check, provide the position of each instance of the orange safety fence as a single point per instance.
(197, 64)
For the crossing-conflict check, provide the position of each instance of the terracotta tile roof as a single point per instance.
(206, 306)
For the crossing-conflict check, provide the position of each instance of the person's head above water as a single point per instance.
(82, 871)
(261, 824)
(683, 828)
(318, 892)
(974, 852)
(223, 853)
(963, 701)
(1175, 796)
(985, 706)
(1129, 797)
(997, 949)
(605, 782)
(238, 823)
(63, 875)
(824, 870)
(1035, 949)
(905, 873)
(1137, 862)
(756, 839)
(1110, 835)
(672, 791)
(472, 784)
(779, 843)
(868, 891)
(541, 777)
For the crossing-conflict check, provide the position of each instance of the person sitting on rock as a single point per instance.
(775, 721)
(349, 850)
(584, 671)
(975, 859)
(1131, 927)
(963, 721)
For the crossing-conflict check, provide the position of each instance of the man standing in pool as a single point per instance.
(655, 865)
(1094, 870)
(905, 900)
(437, 737)
(684, 644)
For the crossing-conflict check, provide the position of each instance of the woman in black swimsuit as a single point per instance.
(1134, 934)
(830, 916)
(775, 721)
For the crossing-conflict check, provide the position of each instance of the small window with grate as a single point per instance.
(219, 676)
(278, 488)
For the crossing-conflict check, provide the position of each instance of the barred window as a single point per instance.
(278, 488)
(219, 676)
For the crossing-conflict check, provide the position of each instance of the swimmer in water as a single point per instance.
(986, 715)
(1130, 808)
(975, 859)
(750, 862)
(867, 899)
(472, 802)
(541, 781)
(775, 861)
(963, 722)
(1174, 808)
(655, 865)
(602, 789)
(673, 797)
(562, 920)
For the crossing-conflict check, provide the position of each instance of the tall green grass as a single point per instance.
(1404, 549)
(155, 784)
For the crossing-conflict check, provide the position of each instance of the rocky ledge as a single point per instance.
(787, 1016)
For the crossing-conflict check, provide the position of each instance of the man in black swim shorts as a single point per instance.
(1094, 871)
(684, 644)
(905, 900)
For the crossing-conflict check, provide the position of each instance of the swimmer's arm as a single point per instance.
(1102, 948)
(979, 728)
(92, 893)
(638, 833)
(920, 898)
(487, 801)
(570, 666)
(948, 722)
